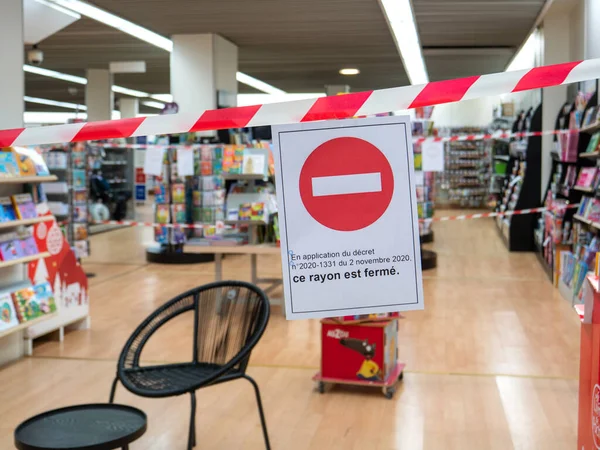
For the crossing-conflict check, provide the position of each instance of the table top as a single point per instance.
(89, 427)
(250, 249)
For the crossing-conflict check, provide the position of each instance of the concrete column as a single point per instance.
(592, 30)
(98, 94)
(129, 107)
(12, 87)
(335, 89)
(556, 50)
(202, 65)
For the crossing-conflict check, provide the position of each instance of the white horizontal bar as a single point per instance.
(346, 184)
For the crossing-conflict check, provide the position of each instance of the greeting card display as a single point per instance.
(8, 314)
(26, 304)
(24, 206)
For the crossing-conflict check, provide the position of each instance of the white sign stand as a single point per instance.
(348, 217)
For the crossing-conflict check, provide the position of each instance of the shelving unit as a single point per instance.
(23, 260)
(25, 222)
(24, 326)
(521, 188)
(24, 180)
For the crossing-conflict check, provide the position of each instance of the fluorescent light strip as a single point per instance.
(58, 8)
(80, 80)
(525, 57)
(45, 101)
(91, 11)
(257, 84)
(401, 21)
(44, 118)
(111, 20)
(156, 105)
(167, 98)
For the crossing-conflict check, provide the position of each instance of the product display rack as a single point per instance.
(68, 197)
(12, 271)
(521, 187)
(464, 183)
(578, 258)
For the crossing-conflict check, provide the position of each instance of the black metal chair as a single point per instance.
(229, 319)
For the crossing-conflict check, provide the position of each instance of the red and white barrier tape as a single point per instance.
(492, 214)
(416, 140)
(333, 107)
(133, 223)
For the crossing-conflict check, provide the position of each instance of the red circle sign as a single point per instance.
(346, 184)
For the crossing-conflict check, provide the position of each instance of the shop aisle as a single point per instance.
(492, 362)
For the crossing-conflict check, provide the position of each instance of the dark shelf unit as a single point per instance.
(518, 234)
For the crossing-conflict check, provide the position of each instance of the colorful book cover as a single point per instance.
(162, 213)
(80, 213)
(10, 249)
(208, 183)
(418, 161)
(161, 235)
(24, 163)
(206, 153)
(80, 231)
(178, 192)
(206, 168)
(28, 246)
(8, 165)
(177, 236)
(178, 213)
(228, 154)
(257, 211)
(217, 167)
(160, 194)
(79, 179)
(593, 144)
(586, 176)
(197, 198)
(208, 215)
(24, 206)
(26, 304)
(245, 211)
(80, 196)
(45, 297)
(219, 213)
(8, 314)
(7, 210)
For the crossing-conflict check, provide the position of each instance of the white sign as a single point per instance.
(185, 161)
(153, 162)
(348, 217)
(433, 156)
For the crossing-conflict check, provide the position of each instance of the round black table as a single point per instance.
(89, 427)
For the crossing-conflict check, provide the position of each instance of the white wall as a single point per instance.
(469, 113)
(577, 31)
(592, 29)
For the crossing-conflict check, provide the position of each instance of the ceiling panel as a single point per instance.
(295, 45)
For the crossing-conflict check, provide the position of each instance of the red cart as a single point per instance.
(360, 352)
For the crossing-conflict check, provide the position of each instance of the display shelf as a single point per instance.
(243, 176)
(16, 223)
(591, 129)
(23, 260)
(23, 180)
(588, 190)
(245, 222)
(23, 326)
(556, 157)
(582, 219)
(590, 155)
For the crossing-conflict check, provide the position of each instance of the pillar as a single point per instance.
(99, 97)
(592, 30)
(556, 50)
(335, 89)
(201, 66)
(12, 87)
(129, 107)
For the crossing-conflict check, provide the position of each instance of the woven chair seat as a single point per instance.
(164, 380)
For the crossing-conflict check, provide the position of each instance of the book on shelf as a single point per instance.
(586, 177)
(8, 165)
(593, 144)
(26, 304)
(8, 314)
(24, 206)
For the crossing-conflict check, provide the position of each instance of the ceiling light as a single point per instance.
(349, 71)
(257, 84)
(54, 74)
(146, 35)
(156, 105)
(93, 12)
(56, 7)
(127, 91)
(263, 99)
(401, 20)
(45, 101)
(167, 98)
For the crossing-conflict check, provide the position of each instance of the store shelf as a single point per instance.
(26, 325)
(23, 260)
(16, 223)
(245, 222)
(590, 155)
(556, 158)
(23, 180)
(243, 176)
(581, 219)
(591, 129)
(588, 190)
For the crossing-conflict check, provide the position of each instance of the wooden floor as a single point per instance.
(492, 361)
